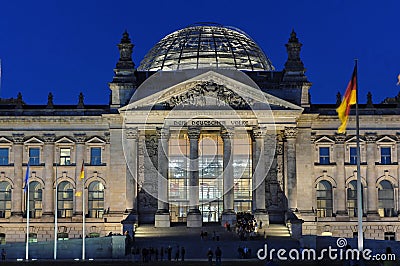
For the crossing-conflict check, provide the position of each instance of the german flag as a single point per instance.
(349, 99)
(82, 175)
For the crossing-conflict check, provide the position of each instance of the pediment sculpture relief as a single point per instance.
(208, 94)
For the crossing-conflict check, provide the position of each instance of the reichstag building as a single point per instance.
(203, 129)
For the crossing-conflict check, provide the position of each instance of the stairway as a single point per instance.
(277, 230)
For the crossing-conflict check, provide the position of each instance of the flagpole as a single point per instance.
(83, 214)
(27, 214)
(360, 236)
(55, 216)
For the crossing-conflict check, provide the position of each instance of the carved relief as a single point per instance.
(49, 137)
(290, 132)
(131, 133)
(340, 138)
(370, 137)
(209, 93)
(80, 137)
(18, 138)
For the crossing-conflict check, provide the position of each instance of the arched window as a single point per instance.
(35, 199)
(96, 199)
(5, 199)
(352, 198)
(65, 199)
(324, 199)
(385, 199)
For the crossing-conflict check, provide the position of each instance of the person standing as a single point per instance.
(210, 255)
(3, 254)
(169, 250)
(177, 253)
(162, 253)
(218, 255)
(183, 251)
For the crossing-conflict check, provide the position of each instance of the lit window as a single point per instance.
(5, 199)
(385, 199)
(65, 199)
(35, 199)
(96, 200)
(2, 239)
(65, 156)
(324, 199)
(3, 156)
(324, 155)
(352, 198)
(95, 156)
(353, 155)
(386, 157)
(34, 156)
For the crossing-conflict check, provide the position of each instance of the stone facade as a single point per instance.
(302, 172)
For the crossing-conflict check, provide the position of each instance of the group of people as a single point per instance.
(218, 255)
(158, 254)
(246, 226)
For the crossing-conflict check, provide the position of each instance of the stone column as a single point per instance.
(80, 151)
(290, 135)
(162, 217)
(131, 154)
(340, 191)
(48, 191)
(228, 214)
(372, 191)
(17, 192)
(260, 212)
(194, 216)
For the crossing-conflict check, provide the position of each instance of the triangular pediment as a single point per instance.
(325, 139)
(95, 140)
(4, 140)
(64, 140)
(33, 140)
(210, 90)
(386, 139)
(353, 139)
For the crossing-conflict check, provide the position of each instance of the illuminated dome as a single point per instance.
(206, 46)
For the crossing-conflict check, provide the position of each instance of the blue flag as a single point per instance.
(27, 178)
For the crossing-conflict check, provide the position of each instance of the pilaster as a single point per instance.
(340, 191)
(290, 136)
(48, 192)
(162, 217)
(194, 218)
(372, 191)
(80, 152)
(17, 192)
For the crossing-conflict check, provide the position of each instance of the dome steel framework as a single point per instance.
(206, 46)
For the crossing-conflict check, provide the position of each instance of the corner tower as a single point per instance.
(124, 81)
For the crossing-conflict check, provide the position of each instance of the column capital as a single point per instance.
(107, 137)
(370, 137)
(258, 132)
(131, 132)
(290, 132)
(162, 133)
(18, 138)
(340, 138)
(227, 133)
(80, 137)
(193, 132)
(49, 137)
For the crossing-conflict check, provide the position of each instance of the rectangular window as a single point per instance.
(353, 155)
(324, 155)
(3, 156)
(386, 157)
(65, 156)
(95, 156)
(390, 236)
(34, 156)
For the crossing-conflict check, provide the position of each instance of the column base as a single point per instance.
(262, 216)
(229, 217)
(194, 219)
(373, 215)
(342, 216)
(47, 217)
(162, 220)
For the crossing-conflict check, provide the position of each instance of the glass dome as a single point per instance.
(206, 46)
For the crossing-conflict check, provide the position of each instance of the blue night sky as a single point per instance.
(70, 46)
